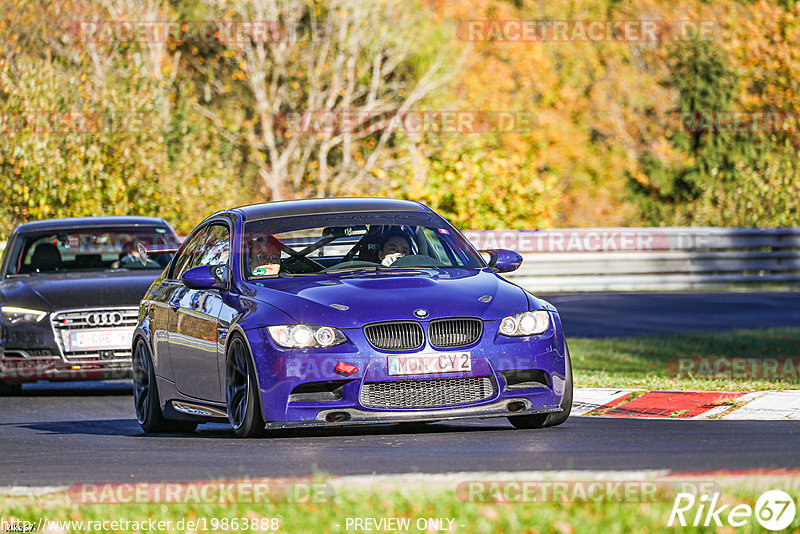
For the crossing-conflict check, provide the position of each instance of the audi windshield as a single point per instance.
(89, 249)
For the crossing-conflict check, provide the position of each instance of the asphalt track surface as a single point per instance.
(59, 434)
(63, 437)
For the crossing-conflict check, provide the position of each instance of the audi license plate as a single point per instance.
(107, 338)
(420, 364)
(25, 365)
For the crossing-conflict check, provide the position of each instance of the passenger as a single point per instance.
(265, 257)
(396, 246)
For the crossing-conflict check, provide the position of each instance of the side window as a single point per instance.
(435, 248)
(440, 249)
(188, 254)
(216, 248)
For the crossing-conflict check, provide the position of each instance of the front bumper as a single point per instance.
(17, 366)
(366, 417)
(30, 352)
(281, 372)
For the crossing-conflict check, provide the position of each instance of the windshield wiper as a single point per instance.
(17, 275)
(353, 269)
(408, 268)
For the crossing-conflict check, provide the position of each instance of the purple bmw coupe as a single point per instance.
(338, 312)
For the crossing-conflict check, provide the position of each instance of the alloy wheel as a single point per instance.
(141, 382)
(237, 383)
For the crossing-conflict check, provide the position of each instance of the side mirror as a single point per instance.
(206, 277)
(502, 260)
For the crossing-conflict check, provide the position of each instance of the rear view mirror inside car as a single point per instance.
(344, 231)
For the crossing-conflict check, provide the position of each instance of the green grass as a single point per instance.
(413, 503)
(644, 362)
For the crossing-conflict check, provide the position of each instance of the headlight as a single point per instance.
(525, 324)
(301, 336)
(12, 315)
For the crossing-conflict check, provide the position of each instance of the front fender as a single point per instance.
(256, 314)
(161, 363)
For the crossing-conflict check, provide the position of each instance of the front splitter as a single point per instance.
(369, 417)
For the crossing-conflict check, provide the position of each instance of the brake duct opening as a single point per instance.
(337, 417)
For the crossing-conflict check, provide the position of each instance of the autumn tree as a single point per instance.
(355, 58)
(144, 151)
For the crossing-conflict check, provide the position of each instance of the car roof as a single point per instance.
(90, 222)
(311, 206)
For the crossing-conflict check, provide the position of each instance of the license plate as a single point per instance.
(421, 364)
(23, 365)
(109, 338)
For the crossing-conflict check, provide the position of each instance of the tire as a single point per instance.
(9, 389)
(145, 396)
(543, 420)
(241, 392)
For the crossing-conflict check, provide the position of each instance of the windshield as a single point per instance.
(88, 249)
(342, 242)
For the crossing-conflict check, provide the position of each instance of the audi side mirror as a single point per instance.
(206, 277)
(502, 260)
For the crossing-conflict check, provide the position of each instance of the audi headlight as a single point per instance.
(525, 324)
(12, 315)
(302, 336)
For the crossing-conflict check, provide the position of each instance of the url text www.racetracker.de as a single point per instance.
(251, 523)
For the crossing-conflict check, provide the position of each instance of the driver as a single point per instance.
(130, 255)
(265, 257)
(396, 246)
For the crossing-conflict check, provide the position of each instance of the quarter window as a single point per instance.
(188, 254)
(216, 247)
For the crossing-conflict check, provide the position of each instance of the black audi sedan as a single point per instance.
(69, 296)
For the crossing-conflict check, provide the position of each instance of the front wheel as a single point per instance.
(145, 396)
(241, 392)
(9, 389)
(550, 419)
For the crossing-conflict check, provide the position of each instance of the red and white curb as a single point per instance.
(587, 400)
(613, 402)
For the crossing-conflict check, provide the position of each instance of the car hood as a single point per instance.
(51, 292)
(352, 299)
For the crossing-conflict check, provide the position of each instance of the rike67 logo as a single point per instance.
(774, 510)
